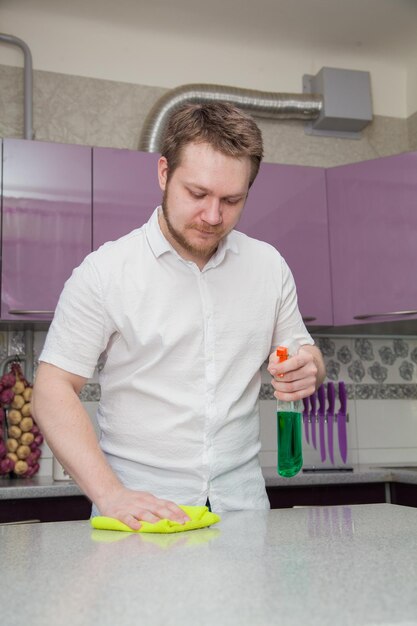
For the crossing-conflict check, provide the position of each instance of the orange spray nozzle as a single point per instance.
(282, 353)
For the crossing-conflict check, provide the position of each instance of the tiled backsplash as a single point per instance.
(381, 378)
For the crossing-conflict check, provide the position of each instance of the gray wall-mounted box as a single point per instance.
(347, 102)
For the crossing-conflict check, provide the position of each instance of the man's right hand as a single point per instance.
(130, 507)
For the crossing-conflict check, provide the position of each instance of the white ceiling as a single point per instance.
(380, 27)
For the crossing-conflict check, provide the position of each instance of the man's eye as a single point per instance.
(197, 195)
(232, 201)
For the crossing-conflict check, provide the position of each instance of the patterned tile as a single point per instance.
(90, 393)
(372, 368)
(363, 360)
(16, 343)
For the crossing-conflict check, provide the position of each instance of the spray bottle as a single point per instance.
(290, 452)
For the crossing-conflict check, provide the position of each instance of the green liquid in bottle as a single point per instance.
(290, 453)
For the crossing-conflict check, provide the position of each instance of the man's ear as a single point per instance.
(162, 172)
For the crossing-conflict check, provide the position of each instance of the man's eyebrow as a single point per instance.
(240, 194)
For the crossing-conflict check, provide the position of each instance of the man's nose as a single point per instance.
(212, 212)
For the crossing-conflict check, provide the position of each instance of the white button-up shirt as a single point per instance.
(179, 353)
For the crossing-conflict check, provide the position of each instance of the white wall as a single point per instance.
(149, 52)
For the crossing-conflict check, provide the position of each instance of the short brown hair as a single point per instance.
(220, 124)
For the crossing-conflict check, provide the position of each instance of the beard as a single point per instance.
(203, 250)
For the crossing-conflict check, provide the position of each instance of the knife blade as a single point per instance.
(321, 394)
(330, 419)
(341, 422)
(305, 419)
(313, 415)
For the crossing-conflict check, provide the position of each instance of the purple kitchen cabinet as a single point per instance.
(46, 224)
(373, 226)
(125, 192)
(287, 208)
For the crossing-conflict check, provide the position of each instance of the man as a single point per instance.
(179, 315)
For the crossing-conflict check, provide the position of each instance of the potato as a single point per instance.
(20, 467)
(14, 416)
(18, 401)
(12, 445)
(15, 432)
(27, 394)
(26, 410)
(23, 452)
(13, 456)
(18, 387)
(26, 424)
(26, 438)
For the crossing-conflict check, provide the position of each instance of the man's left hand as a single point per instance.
(299, 376)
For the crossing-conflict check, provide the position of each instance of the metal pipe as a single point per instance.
(259, 103)
(28, 82)
(29, 355)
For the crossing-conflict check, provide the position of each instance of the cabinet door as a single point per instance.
(125, 192)
(46, 223)
(287, 208)
(373, 226)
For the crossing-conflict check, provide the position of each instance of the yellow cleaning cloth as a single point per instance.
(200, 517)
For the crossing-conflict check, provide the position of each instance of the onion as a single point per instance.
(26, 425)
(12, 444)
(3, 449)
(20, 467)
(26, 438)
(17, 402)
(26, 409)
(8, 380)
(27, 394)
(31, 471)
(22, 452)
(14, 416)
(16, 432)
(18, 387)
(6, 396)
(38, 440)
(6, 466)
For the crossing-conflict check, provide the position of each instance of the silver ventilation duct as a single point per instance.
(259, 103)
(28, 88)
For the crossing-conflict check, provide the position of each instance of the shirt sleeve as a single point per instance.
(80, 329)
(290, 329)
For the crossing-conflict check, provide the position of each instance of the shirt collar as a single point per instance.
(159, 244)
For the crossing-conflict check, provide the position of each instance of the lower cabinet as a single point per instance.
(326, 495)
(69, 508)
(56, 509)
(404, 493)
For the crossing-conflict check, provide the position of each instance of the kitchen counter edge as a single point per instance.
(46, 487)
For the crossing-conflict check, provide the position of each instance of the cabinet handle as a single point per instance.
(309, 319)
(29, 312)
(391, 313)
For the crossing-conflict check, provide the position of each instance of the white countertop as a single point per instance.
(46, 487)
(346, 565)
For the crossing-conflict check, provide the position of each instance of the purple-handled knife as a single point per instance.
(341, 422)
(313, 415)
(330, 419)
(305, 419)
(321, 393)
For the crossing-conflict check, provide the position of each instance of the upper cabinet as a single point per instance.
(62, 201)
(287, 208)
(373, 226)
(46, 224)
(125, 192)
